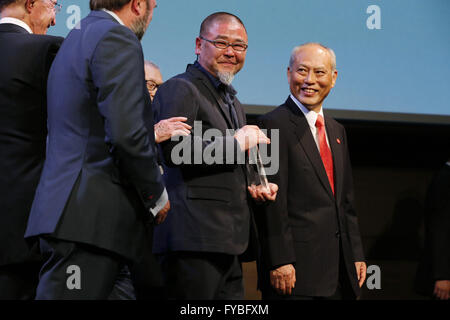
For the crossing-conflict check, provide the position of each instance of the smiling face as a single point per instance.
(311, 76)
(222, 61)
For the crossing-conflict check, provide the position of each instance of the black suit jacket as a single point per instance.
(25, 60)
(306, 223)
(209, 204)
(100, 175)
(435, 261)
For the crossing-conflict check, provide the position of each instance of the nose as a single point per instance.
(229, 51)
(311, 77)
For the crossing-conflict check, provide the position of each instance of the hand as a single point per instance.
(165, 129)
(162, 214)
(282, 279)
(442, 289)
(361, 271)
(259, 193)
(249, 136)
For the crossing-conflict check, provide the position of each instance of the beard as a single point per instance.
(225, 77)
(140, 26)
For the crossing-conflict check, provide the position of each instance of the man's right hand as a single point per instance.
(249, 136)
(442, 289)
(283, 279)
(162, 214)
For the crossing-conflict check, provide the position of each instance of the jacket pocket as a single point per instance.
(209, 193)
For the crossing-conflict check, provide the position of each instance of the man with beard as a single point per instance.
(25, 58)
(202, 240)
(100, 183)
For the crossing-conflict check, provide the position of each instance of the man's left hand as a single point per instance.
(361, 271)
(260, 193)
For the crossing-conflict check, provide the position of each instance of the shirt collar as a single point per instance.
(17, 22)
(215, 81)
(115, 16)
(311, 116)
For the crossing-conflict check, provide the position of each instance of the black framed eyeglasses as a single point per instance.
(152, 85)
(223, 44)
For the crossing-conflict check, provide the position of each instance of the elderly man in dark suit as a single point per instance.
(209, 226)
(25, 59)
(100, 182)
(311, 246)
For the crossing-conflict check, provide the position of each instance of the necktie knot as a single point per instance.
(319, 121)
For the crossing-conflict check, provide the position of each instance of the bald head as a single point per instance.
(313, 44)
(218, 17)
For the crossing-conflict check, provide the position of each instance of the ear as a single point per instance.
(198, 44)
(138, 6)
(289, 75)
(335, 73)
(29, 5)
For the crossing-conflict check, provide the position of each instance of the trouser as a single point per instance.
(19, 281)
(202, 276)
(344, 290)
(146, 274)
(80, 271)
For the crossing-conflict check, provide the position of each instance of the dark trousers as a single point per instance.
(343, 291)
(202, 276)
(146, 275)
(19, 281)
(79, 271)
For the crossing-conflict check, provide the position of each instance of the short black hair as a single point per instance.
(217, 16)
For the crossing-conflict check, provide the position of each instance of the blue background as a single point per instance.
(403, 67)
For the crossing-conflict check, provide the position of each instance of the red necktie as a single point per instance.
(325, 152)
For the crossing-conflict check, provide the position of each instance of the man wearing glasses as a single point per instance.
(25, 58)
(202, 240)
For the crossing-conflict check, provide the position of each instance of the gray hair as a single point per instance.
(329, 50)
(151, 64)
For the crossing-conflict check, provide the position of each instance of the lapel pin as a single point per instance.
(338, 141)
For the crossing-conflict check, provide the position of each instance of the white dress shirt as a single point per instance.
(17, 22)
(311, 117)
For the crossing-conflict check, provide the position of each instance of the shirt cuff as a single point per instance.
(162, 201)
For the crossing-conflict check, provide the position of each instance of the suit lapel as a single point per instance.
(303, 133)
(223, 109)
(336, 150)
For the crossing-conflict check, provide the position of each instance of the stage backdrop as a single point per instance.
(392, 55)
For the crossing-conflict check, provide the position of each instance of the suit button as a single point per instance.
(338, 234)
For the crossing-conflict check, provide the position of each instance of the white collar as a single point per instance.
(448, 163)
(115, 16)
(311, 116)
(17, 22)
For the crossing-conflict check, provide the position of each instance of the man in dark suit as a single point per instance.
(311, 246)
(100, 181)
(25, 60)
(433, 274)
(209, 226)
